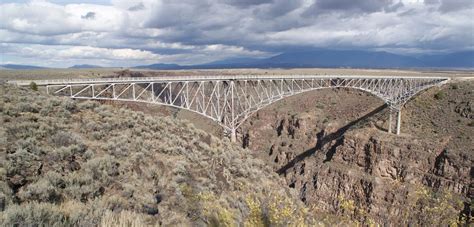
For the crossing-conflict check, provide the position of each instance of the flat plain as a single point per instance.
(43, 74)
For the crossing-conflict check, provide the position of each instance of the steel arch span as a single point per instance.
(230, 100)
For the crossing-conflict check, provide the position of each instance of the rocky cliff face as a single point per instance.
(341, 160)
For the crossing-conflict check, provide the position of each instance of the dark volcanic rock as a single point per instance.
(465, 109)
(336, 158)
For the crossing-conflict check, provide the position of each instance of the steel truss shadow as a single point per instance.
(335, 136)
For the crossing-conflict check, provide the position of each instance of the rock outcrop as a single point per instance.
(355, 168)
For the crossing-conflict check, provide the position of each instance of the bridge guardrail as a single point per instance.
(206, 78)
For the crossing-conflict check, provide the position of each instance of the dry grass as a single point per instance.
(81, 163)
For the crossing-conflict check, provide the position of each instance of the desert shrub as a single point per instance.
(255, 216)
(435, 208)
(33, 86)
(70, 105)
(33, 214)
(28, 107)
(123, 218)
(5, 192)
(88, 154)
(24, 130)
(215, 211)
(55, 101)
(103, 111)
(471, 124)
(29, 144)
(11, 112)
(87, 105)
(81, 214)
(61, 153)
(98, 135)
(119, 146)
(63, 139)
(116, 202)
(42, 191)
(81, 186)
(102, 167)
(439, 95)
(90, 127)
(22, 163)
(46, 108)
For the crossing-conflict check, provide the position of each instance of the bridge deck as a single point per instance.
(206, 78)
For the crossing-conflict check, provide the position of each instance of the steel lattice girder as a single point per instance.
(231, 101)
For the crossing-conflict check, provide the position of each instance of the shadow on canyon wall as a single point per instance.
(322, 139)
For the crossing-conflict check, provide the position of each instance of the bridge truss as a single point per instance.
(230, 100)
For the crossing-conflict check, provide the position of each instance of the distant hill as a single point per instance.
(161, 66)
(85, 66)
(241, 61)
(343, 58)
(13, 66)
(336, 59)
(463, 59)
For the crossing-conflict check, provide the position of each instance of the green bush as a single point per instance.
(33, 86)
(439, 95)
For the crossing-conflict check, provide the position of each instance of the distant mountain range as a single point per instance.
(335, 59)
(13, 66)
(161, 66)
(85, 66)
(317, 59)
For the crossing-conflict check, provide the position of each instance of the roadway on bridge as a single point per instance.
(216, 77)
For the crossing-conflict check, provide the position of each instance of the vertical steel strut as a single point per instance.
(229, 101)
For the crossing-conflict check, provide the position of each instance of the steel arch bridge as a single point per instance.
(230, 100)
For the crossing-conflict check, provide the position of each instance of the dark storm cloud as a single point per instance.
(450, 5)
(431, 2)
(359, 6)
(282, 24)
(178, 14)
(137, 7)
(246, 3)
(454, 5)
(89, 16)
(222, 22)
(394, 7)
(278, 8)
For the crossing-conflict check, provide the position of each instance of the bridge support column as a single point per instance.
(390, 121)
(233, 136)
(399, 120)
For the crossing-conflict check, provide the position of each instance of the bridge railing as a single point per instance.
(207, 78)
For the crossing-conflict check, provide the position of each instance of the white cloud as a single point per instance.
(189, 31)
(44, 18)
(58, 52)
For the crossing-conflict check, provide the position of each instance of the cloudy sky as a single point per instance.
(61, 33)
